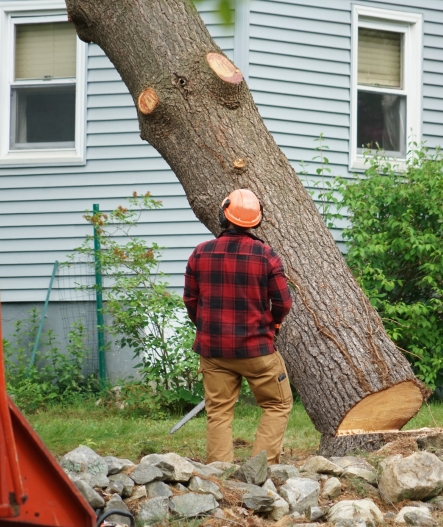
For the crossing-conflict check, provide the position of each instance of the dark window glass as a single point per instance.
(381, 119)
(43, 115)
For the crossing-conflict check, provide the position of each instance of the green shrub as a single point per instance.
(146, 315)
(395, 249)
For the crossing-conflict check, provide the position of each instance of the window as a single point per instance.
(42, 86)
(386, 82)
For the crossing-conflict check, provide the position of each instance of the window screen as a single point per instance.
(379, 58)
(45, 51)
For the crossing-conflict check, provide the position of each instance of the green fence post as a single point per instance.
(42, 319)
(99, 303)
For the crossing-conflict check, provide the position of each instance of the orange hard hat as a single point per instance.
(242, 208)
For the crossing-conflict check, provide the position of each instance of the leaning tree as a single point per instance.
(195, 108)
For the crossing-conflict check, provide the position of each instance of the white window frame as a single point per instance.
(37, 11)
(411, 26)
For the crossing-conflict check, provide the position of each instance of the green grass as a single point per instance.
(113, 432)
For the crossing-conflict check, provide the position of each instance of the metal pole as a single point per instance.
(42, 320)
(99, 303)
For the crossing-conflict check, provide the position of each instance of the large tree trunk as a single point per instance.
(196, 110)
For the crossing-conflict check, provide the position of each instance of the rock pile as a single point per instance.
(168, 486)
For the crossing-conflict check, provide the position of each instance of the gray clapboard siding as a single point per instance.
(41, 208)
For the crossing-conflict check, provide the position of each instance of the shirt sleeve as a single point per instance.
(191, 290)
(279, 293)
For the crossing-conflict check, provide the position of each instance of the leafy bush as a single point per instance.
(54, 377)
(395, 249)
(146, 316)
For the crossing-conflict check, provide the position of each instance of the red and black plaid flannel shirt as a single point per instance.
(235, 293)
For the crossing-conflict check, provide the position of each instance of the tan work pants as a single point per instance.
(269, 383)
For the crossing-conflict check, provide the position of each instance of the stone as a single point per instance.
(115, 487)
(182, 469)
(223, 465)
(158, 489)
(204, 486)
(254, 497)
(84, 459)
(400, 518)
(315, 513)
(284, 471)
(300, 493)
(254, 471)
(419, 517)
(126, 481)
(347, 461)
(419, 477)
(157, 460)
(116, 465)
(354, 523)
(365, 510)
(331, 489)
(280, 508)
(310, 475)
(206, 471)
(99, 480)
(139, 492)
(145, 473)
(191, 505)
(355, 471)
(321, 465)
(93, 498)
(217, 513)
(389, 515)
(116, 503)
(153, 511)
(180, 487)
(269, 486)
(437, 502)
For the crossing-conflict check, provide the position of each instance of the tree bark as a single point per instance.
(196, 110)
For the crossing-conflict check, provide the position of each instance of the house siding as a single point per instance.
(41, 209)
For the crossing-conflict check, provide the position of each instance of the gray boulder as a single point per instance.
(400, 518)
(356, 471)
(115, 487)
(331, 489)
(158, 461)
(84, 459)
(93, 498)
(145, 473)
(191, 505)
(126, 481)
(354, 461)
(99, 480)
(153, 511)
(205, 470)
(361, 510)
(116, 465)
(223, 465)
(139, 492)
(254, 471)
(269, 486)
(284, 471)
(315, 513)
(182, 469)
(321, 465)
(204, 486)
(158, 489)
(116, 503)
(430, 442)
(300, 493)
(419, 476)
(280, 508)
(419, 517)
(253, 497)
(180, 487)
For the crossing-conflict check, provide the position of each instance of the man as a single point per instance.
(236, 294)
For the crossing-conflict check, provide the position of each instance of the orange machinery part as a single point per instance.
(34, 490)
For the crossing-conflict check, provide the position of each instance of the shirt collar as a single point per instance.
(233, 232)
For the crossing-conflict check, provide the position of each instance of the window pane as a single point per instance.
(379, 58)
(43, 115)
(381, 119)
(45, 51)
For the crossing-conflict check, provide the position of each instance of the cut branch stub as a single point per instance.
(147, 101)
(224, 69)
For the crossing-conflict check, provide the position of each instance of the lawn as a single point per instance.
(118, 433)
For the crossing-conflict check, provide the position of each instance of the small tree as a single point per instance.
(146, 316)
(395, 249)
